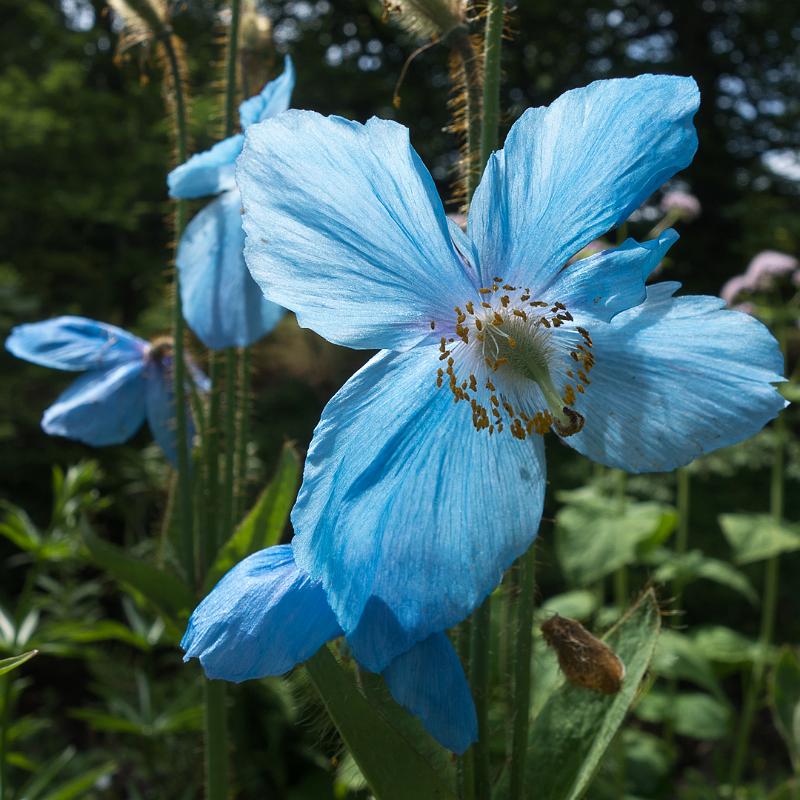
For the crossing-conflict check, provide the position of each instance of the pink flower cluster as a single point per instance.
(761, 274)
(682, 203)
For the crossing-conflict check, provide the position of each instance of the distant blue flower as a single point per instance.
(126, 380)
(426, 474)
(266, 615)
(221, 302)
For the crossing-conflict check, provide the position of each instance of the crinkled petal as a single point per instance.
(429, 681)
(160, 406)
(407, 514)
(675, 378)
(264, 617)
(611, 281)
(209, 172)
(274, 98)
(572, 171)
(102, 407)
(345, 228)
(221, 302)
(74, 344)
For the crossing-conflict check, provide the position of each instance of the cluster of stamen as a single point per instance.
(508, 332)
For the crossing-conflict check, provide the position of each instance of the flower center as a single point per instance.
(519, 362)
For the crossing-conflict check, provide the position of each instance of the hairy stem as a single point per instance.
(245, 365)
(216, 726)
(479, 673)
(522, 673)
(491, 79)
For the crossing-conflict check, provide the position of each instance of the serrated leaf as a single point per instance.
(263, 525)
(755, 537)
(693, 714)
(167, 592)
(784, 695)
(7, 664)
(576, 726)
(594, 537)
(692, 566)
(394, 768)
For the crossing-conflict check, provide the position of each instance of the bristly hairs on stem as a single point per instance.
(427, 19)
(256, 54)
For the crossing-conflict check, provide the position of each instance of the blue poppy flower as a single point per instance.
(266, 615)
(221, 302)
(126, 380)
(426, 474)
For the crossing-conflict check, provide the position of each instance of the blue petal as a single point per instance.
(345, 228)
(209, 172)
(429, 681)
(406, 513)
(274, 98)
(606, 283)
(262, 618)
(74, 344)
(675, 378)
(572, 171)
(221, 302)
(160, 406)
(100, 408)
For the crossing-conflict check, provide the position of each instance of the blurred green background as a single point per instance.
(84, 150)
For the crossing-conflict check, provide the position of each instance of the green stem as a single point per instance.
(212, 455)
(244, 431)
(479, 673)
(522, 674)
(621, 575)
(465, 773)
(216, 741)
(230, 69)
(769, 605)
(491, 79)
(462, 46)
(229, 479)
(184, 478)
(682, 536)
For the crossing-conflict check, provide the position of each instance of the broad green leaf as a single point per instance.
(727, 646)
(169, 594)
(785, 700)
(678, 657)
(693, 714)
(594, 538)
(576, 726)
(754, 537)
(579, 604)
(389, 761)
(79, 786)
(264, 524)
(7, 664)
(692, 566)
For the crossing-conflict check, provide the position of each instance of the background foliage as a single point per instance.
(83, 224)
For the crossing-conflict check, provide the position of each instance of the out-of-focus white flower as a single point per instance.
(682, 203)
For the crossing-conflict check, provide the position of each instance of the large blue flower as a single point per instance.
(220, 301)
(266, 615)
(426, 474)
(126, 380)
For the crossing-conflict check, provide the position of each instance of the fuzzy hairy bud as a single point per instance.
(428, 19)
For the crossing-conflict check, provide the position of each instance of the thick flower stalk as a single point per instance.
(425, 478)
(126, 380)
(221, 302)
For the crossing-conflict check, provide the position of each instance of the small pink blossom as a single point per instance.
(687, 204)
(733, 287)
(768, 265)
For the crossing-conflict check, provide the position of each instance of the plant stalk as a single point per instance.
(245, 363)
(479, 674)
(769, 605)
(522, 673)
(229, 479)
(185, 503)
(216, 726)
(493, 39)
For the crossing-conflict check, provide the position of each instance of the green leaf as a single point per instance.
(693, 714)
(678, 657)
(265, 522)
(44, 776)
(576, 726)
(593, 539)
(389, 761)
(727, 646)
(7, 664)
(784, 694)
(692, 566)
(755, 537)
(169, 594)
(579, 604)
(78, 786)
